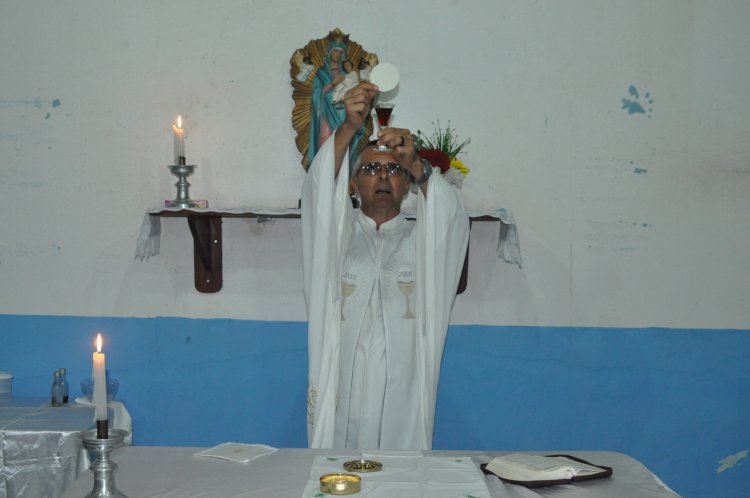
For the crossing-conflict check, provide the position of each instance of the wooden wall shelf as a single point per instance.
(205, 227)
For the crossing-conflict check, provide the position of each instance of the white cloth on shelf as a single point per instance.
(508, 244)
(149, 240)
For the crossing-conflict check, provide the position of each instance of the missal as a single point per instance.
(535, 471)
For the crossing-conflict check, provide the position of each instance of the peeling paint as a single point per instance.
(730, 461)
(634, 105)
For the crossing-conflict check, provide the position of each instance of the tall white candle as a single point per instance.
(100, 382)
(179, 141)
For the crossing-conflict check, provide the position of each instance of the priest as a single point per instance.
(379, 288)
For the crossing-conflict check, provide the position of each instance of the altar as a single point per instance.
(288, 473)
(40, 451)
(40, 446)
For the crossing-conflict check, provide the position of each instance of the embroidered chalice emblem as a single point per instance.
(405, 284)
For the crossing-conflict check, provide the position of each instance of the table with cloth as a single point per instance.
(175, 472)
(40, 449)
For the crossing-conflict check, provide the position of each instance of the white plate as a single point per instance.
(385, 76)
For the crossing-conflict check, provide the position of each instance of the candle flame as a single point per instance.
(98, 343)
(179, 121)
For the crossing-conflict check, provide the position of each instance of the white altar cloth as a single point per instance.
(172, 472)
(40, 451)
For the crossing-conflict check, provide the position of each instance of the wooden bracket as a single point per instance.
(463, 281)
(206, 231)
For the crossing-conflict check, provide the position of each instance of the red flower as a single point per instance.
(437, 158)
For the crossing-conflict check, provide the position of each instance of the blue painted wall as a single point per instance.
(677, 400)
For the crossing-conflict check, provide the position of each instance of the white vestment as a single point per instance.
(378, 305)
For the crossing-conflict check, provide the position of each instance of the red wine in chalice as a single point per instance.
(384, 114)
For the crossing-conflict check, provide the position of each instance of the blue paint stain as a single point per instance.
(634, 106)
(640, 171)
(56, 103)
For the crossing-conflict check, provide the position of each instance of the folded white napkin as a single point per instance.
(237, 452)
(120, 420)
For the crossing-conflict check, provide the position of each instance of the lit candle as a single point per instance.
(100, 390)
(179, 141)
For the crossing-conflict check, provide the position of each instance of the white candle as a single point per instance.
(100, 382)
(179, 141)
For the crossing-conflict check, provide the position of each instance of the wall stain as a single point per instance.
(634, 105)
(36, 102)
(730, 461)
(640, 171)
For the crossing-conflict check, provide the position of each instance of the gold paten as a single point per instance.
(363, 466)
(340, 484)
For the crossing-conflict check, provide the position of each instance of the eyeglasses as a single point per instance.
(373, 169)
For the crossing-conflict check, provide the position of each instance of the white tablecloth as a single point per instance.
(171, 472)
(40, 450)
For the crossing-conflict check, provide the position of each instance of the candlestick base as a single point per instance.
(103, 467)
(182, 171)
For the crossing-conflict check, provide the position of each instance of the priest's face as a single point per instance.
(380, 185)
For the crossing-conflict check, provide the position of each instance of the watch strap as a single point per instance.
(426, 172)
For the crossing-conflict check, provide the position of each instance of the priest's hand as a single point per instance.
(401, 141)
(357, 102)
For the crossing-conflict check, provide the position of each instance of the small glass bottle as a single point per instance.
(57, 389)
(66, 387)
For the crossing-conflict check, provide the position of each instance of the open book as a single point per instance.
(534, 471)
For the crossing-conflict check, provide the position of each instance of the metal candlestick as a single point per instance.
(182, 171)
(103, 467)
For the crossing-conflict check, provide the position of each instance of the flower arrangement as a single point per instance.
(442, 149)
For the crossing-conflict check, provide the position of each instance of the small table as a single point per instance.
(172, 471)
(40, 451)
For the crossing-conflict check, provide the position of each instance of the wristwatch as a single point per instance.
(426, 172)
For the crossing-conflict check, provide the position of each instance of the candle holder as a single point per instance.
(182, 171)
(103, 467)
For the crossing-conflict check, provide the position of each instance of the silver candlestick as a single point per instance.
(103, 467)
(182, 171)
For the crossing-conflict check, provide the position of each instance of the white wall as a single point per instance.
(625, 219)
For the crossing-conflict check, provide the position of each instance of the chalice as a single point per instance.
(383, 111)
